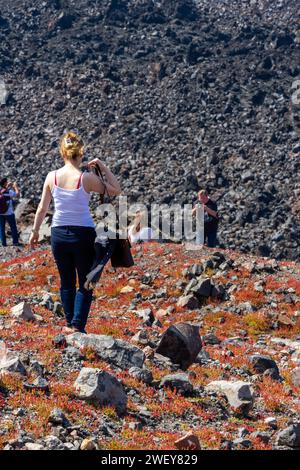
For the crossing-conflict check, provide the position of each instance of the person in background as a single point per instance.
(211, 218)
(9, 191)
(137, 232)
(73, 230)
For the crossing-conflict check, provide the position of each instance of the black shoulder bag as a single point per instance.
(121, 256)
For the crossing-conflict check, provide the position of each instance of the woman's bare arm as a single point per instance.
(112, 185)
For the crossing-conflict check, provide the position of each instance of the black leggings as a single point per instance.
(73, 251)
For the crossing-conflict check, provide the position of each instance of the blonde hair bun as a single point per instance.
(71, 146)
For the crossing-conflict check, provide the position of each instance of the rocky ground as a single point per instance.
(232, 380)
(173, 95)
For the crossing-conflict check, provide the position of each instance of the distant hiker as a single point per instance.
(211, 218)
(8, 191)
(136, 231)
(73, 230)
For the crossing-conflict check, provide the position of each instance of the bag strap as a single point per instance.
(99, 173)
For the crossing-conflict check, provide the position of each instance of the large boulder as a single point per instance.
(239, 394)
(98, 386)
(181, 343)
(115, 351)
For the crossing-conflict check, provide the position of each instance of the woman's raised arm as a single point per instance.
(112, 185)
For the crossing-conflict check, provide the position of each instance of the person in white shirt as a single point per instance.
(136, 231)
(11, 191)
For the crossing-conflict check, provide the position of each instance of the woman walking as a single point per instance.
(73, 230)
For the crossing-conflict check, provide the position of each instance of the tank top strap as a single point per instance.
(79, 181)
(55, 179)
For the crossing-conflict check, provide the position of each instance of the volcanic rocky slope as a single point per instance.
(173, 95)
(185, 341)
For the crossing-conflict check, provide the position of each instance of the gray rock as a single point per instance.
(210, 338)
(203, 357)
(47, 302)
(22, 311)
(53, 443)
(141, 337)
(188, 301)
(115, 351)
(98, 386)
(144, 375)
(12, 363)
(58, 309)
(243, 432)
(33, 446)
(179, 382)
(191, 284)
(184, 113)
(196, 269)
(271, 421)
(245, 443)
(73, 353)
(38, 384)
(58, 418)
(146, 315)
(289, 436)
(239, 394)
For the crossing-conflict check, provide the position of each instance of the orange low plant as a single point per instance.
(275, 397)
(249, 294)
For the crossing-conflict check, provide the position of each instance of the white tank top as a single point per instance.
(71, 206)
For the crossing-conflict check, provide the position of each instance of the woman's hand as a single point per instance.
(33, 240)
(96, 162)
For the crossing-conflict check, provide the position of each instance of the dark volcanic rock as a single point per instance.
(181, 343)
(173, 95)
(263, 363)
(178, 382)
